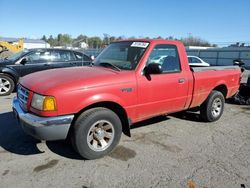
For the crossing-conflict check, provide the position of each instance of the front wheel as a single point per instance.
(212, 109)
(7, 85)
(96, 132)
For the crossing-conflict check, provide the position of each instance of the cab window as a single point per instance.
(82, 57)
(195, 60)
(167, 56)
(38, 57)
(62, 56)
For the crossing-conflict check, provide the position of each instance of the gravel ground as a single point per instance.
(162, 152)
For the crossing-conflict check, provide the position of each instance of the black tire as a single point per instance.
(6, 82)
(83, 128)
(210, 113)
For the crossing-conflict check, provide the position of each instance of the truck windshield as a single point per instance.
(122, 55)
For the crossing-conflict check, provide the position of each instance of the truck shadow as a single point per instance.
(185, 115)
(149, 122)
(64, 149)
(188, 116)
(13, 139)
(231, 101)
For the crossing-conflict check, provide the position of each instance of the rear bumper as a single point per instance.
(42, 128)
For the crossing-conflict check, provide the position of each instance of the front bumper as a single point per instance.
(42, 128)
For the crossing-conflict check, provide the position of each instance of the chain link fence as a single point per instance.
(222, 56)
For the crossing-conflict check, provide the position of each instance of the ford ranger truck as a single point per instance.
(93, 105)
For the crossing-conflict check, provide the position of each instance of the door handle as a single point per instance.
(181, 80)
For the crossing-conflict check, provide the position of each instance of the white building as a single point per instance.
(27, 43)
(198, 47)
(83, 45)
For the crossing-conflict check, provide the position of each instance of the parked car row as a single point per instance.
(33, 60)
(195, 61)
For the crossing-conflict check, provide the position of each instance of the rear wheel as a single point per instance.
(212, 109)
(7, 85)
(96, 132)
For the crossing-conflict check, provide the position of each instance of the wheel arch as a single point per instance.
(10, 73)
(222, 88)
(115, 107)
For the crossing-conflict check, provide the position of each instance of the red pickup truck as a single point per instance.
(127, 83)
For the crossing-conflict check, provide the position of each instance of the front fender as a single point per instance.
(101, 97)
(11, 72)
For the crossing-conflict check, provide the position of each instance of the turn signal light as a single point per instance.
(49, 104)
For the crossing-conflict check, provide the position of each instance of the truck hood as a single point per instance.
(75, 78)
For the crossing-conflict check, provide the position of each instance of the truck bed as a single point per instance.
(199, 69)
(207, 79)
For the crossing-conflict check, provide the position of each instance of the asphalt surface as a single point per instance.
(166, 151)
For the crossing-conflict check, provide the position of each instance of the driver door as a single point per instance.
(165, 92)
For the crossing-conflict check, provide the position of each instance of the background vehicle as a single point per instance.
(93, 104)
(6, 48)
(33, 60)
(195, 61)
(158, 59)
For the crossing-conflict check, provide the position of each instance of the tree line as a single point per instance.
(98, 42)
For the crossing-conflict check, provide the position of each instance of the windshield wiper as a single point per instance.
(106, 64)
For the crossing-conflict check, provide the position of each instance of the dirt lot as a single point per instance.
(164, 152)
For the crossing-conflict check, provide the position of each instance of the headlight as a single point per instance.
(43, 103)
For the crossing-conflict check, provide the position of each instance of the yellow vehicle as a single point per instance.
(7, 47)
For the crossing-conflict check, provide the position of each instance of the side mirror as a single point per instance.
(153, 68)
(238, 62)
(23, 61)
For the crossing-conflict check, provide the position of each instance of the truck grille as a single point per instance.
(22, 95)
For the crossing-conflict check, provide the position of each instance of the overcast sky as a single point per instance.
(215, 21)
